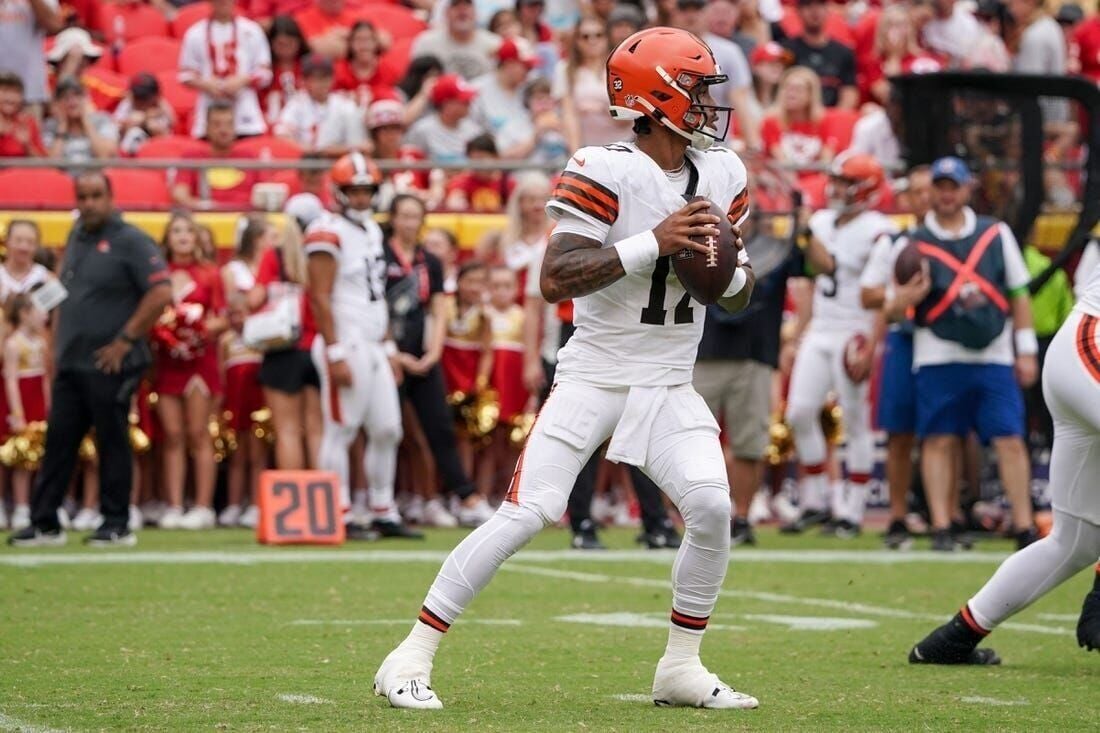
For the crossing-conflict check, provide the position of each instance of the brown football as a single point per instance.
(908, 263)
(706, 276)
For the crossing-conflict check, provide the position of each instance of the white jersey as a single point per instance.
(359, 291)
(1088, 296)
(10, 285)
(643, 329)
(837, 304)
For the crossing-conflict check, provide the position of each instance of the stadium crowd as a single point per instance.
(447, 82)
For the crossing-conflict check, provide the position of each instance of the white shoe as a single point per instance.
(759, 509)
(687, 683)
(412, 511)
(250, 517)
(152, 511)
(405, 679)
(21, 517)
(198, 517)
(87, 519)
(170, 518)
(230, 516)
(476, 515)
(436, 515)
(63, 518)
(136, 520)
(602, 510)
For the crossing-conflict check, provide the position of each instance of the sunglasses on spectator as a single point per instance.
(592, 36)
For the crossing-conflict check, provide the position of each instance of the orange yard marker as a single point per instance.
(300, 508)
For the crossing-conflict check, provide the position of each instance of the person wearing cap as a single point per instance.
(77, 132)
(499, 106)
(833, 62)
(769, 61)
(226, 58)
(1068, 18)
(143, 114)
(974, 347)
(23, 30)
(386, 126)
(624, 20)
(19, 133)
(443, 133)
(463, 47)
(319, 120)
(691, 15)
(74, 54)
(1041, 50)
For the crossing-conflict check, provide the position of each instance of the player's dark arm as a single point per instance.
(574, 266)
(740, 301)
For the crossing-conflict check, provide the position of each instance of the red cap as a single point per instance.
(452, 88)
(771, 51)
(511, 50)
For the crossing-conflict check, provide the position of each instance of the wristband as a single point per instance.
(390, 347)
(737, 284)
(1027, 344)
(742, 257)
(336, 352)
(638, 252)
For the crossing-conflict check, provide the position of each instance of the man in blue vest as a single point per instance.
(973, 349)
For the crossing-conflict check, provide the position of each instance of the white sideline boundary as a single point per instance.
(18, 558)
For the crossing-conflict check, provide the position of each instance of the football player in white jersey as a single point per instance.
(347, 293)
(837, 346)
(1071, 386)
(626, 373)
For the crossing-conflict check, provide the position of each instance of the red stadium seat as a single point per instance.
(149, 54)
(139, 189)
(131, 21)
(399, 22)
(837, 126)
(168, 146)
(180, 96)
(269, 147)
(187, 16)
(36, 188)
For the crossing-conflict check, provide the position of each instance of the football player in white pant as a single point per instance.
(1071, 387)
(356, 362)
(837, 347)
(626, 373)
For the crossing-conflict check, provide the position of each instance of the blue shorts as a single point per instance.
(956, 399)
(897, 395)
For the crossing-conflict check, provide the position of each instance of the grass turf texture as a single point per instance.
(198, 645)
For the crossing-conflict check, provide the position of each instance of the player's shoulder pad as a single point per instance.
(323, 232)
(589, 185)
(821, 218)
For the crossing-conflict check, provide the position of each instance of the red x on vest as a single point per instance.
(964, 273)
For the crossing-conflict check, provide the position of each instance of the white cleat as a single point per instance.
(476, 514)
(434, 514)
(250, 517)
(87, 519)
(405, 679)
(230, 516)
(170, 518)
(687, 683)
(198, 518)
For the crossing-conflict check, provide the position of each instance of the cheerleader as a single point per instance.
(188, 381)
(26, 385)
(20, 273)
(244, 396)
(506, 323)
(467, 348)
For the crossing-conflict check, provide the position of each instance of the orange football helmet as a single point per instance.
(353, 170)
(662, 73)
(855, 181)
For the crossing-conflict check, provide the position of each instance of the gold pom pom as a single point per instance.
(521, 428)
(832, 423)
(88, 451)
(263, 425)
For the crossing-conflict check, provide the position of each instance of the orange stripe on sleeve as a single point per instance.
(322, 237)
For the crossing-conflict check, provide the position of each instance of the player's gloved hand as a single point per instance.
(693, 220)
(339, 373)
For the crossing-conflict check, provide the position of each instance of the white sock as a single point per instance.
(814, 494)
(359, 501)
(682, 643)
(423, 639)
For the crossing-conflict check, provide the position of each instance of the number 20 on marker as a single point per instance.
(300, 508)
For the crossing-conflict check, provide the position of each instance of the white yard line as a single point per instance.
(979, 700)
(633, 697)
(8, 723)
(656, 557)
(296, 699)
(395, 622)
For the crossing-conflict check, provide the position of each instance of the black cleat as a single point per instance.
(741, 532)
(386, 528)
(1025, 537)
(942, 540)
(34, 537)
(962, 538)
(664, 537)
(1088, 626)
(354, 532)
(107, 537)
(808, 519)
(842, 529)
(952, 643)
(897, 536)
(586, 538)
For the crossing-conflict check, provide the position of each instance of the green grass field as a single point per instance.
(212, 632)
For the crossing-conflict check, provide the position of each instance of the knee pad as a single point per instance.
(706, 511)
(387, 435)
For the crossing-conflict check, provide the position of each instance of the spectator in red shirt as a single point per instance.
(226, 187)
(358, 74)
(19, 133)
(1086, 48)
(288, 46)
(896, 51)
(327, 25)
(479, 190)
(792, 132)
(265, 12)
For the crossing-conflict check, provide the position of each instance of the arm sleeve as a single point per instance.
(321, 238)
(144, 261)
(1016, 274)
(587, 189)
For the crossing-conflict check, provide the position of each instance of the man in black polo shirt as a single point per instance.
(834, 62)
(117, 286)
